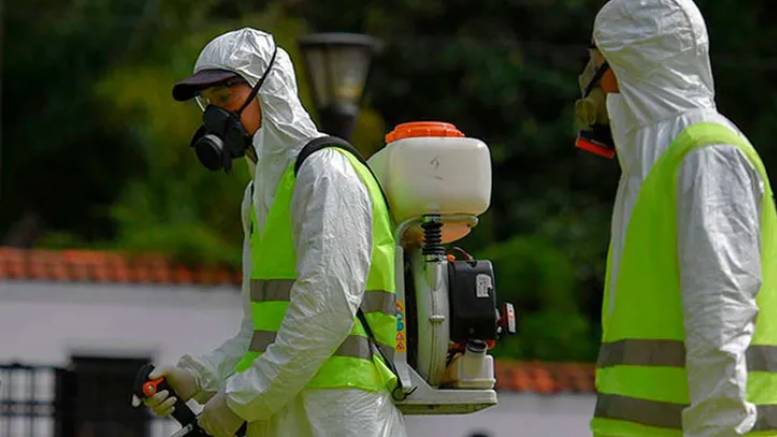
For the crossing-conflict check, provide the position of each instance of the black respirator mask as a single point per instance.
(222, 137)
(591, 116)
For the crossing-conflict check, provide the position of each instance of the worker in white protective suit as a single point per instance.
(331, 221)
(691, 253)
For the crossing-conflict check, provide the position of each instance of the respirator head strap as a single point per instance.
(255, 89)
(596, 78)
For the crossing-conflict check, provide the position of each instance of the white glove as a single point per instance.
(180, 380)
(217, 419)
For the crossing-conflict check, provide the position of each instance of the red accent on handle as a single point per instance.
(588, 146)
(150, 388)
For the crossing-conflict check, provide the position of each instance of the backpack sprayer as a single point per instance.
(437, 183)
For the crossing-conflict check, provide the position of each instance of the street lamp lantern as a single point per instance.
(337, 66)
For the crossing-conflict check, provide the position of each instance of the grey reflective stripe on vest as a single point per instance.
(379, 301)
(354, 346)
(650, 413)
(261, 340)
(665, 414)
(761, 358)
(671, 353)
(635, 352)
(766, 419)
(266, 290)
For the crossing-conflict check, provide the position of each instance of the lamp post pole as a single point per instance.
(337, 65)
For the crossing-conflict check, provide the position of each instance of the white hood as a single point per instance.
(286, 125)
(659, 51)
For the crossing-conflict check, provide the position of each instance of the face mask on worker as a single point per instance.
(591, 116)
(222, 136)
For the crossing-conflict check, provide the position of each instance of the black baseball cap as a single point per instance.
(192, 85)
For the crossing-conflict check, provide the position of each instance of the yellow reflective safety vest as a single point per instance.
(640, 377)
(355, 363)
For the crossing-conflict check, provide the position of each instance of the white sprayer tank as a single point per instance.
(432, 168)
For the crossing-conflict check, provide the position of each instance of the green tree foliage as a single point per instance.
(60, 164)
(96, 151)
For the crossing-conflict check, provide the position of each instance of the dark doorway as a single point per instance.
(93, 399)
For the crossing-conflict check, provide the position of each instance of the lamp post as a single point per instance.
(336, 65)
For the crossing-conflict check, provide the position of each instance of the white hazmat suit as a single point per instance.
(331, 215)
(658, 50)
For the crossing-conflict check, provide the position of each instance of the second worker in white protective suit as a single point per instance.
(300, 364)
(689, 317)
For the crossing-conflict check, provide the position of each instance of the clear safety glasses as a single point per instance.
(219, 95)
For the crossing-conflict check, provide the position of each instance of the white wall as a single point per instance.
(48, 322)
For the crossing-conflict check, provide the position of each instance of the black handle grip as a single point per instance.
(145, 387)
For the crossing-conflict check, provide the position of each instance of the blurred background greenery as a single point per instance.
(95, 151)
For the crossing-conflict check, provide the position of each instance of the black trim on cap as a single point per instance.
(192, 85)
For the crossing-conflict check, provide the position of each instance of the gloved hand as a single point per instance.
(217, 419)
(180, 380)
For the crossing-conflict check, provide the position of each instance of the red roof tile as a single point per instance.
(105, 267)
(545, 378)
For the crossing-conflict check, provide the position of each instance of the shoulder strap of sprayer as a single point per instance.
(311, 148)
(331, 141)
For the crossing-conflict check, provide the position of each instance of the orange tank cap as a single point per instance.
(423, 129)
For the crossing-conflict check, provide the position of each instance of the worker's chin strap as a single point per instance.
(314, 146)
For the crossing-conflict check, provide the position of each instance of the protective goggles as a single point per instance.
(219, 95)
